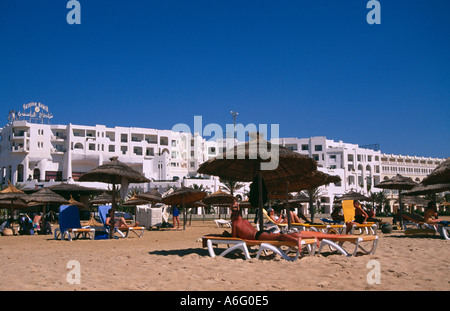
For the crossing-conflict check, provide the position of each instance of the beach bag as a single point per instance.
(7, 232)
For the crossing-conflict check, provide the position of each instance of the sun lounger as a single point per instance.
(123, 232)
(349, 216)
(70, 225)
(442, 228)
(242, 245)
(222, 223)
(325, 228)
(336, 244)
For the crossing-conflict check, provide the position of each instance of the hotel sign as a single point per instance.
(35, 111)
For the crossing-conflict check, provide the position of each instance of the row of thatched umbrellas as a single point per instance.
(247, 162)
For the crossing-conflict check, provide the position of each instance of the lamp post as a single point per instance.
(234, 115)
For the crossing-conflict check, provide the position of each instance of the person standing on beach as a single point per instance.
(176, 218)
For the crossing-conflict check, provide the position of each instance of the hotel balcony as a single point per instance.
(19, 149)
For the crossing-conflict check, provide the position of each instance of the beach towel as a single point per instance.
(103, 212)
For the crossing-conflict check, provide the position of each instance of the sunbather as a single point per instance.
(282, 219)
(242, 228)
(430, 214)
(119, 222)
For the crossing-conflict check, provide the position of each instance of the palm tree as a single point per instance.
(314, 195)
(381, 199)
(231, 186)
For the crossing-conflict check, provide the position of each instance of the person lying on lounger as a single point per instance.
(119, 222)
(430, 215)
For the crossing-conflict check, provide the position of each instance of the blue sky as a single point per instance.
(316, 68)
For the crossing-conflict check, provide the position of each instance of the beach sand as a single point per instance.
(174, 260)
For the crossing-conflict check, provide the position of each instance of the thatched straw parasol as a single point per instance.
(421, 189)
(12, 194)
(353, 195)
(299, 183)
(74, 189)
(104, 198)
(114, 172)
(219, 198)
(259, 159)
(184, 195)
(415, 201)
(440, 175)
(152, 196)
(46, 197)
(399, 183)
(81, 206)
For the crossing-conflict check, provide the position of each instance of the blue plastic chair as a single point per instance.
(70, 225)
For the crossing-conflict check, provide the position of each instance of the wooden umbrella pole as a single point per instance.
(185, 214)
(400, 207)
(113, 211)
(260, 202)
(288, 209)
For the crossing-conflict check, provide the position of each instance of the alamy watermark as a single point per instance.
(374, 15)
(256, 150)
(74, 275)
(374, 275)
(74, 15)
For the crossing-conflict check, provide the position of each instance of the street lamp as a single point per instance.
(234, 115)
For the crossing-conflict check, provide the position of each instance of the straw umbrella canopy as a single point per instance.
(398, 182)
(440, 175)
(104, 198)
(74, 189)
(152, 196)
(415, 201)
(12, 194)
(80, 205)
(114, 172)
(353, 195)
(184, 195)
(299, 183)
(45, 196)
(248, 161)
(421, 189)
(219, 198)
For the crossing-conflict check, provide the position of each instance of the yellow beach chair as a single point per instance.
(349, 216)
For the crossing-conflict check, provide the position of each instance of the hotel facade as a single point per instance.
(42, 154)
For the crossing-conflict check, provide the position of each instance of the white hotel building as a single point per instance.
(36, 153)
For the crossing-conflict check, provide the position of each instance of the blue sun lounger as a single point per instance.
(70, 225)
(103, 214)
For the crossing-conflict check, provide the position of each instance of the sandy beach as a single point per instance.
(174, 260)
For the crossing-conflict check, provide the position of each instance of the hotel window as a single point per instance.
(174, 154)
(305, 147)
(124, 138)
(112, 148)
(92, 147)
(137, 151)
(333, 157)
(332, 167)
(149, 152)
(369, 158)
(124, 149)
(164, 141)
(315, 157)
(174, 143)
(192, 164)
(318, 147)
(350, 157)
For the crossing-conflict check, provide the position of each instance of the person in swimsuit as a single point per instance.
(119, 222)
(430, 214)
(282, 220)
(176, 216)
